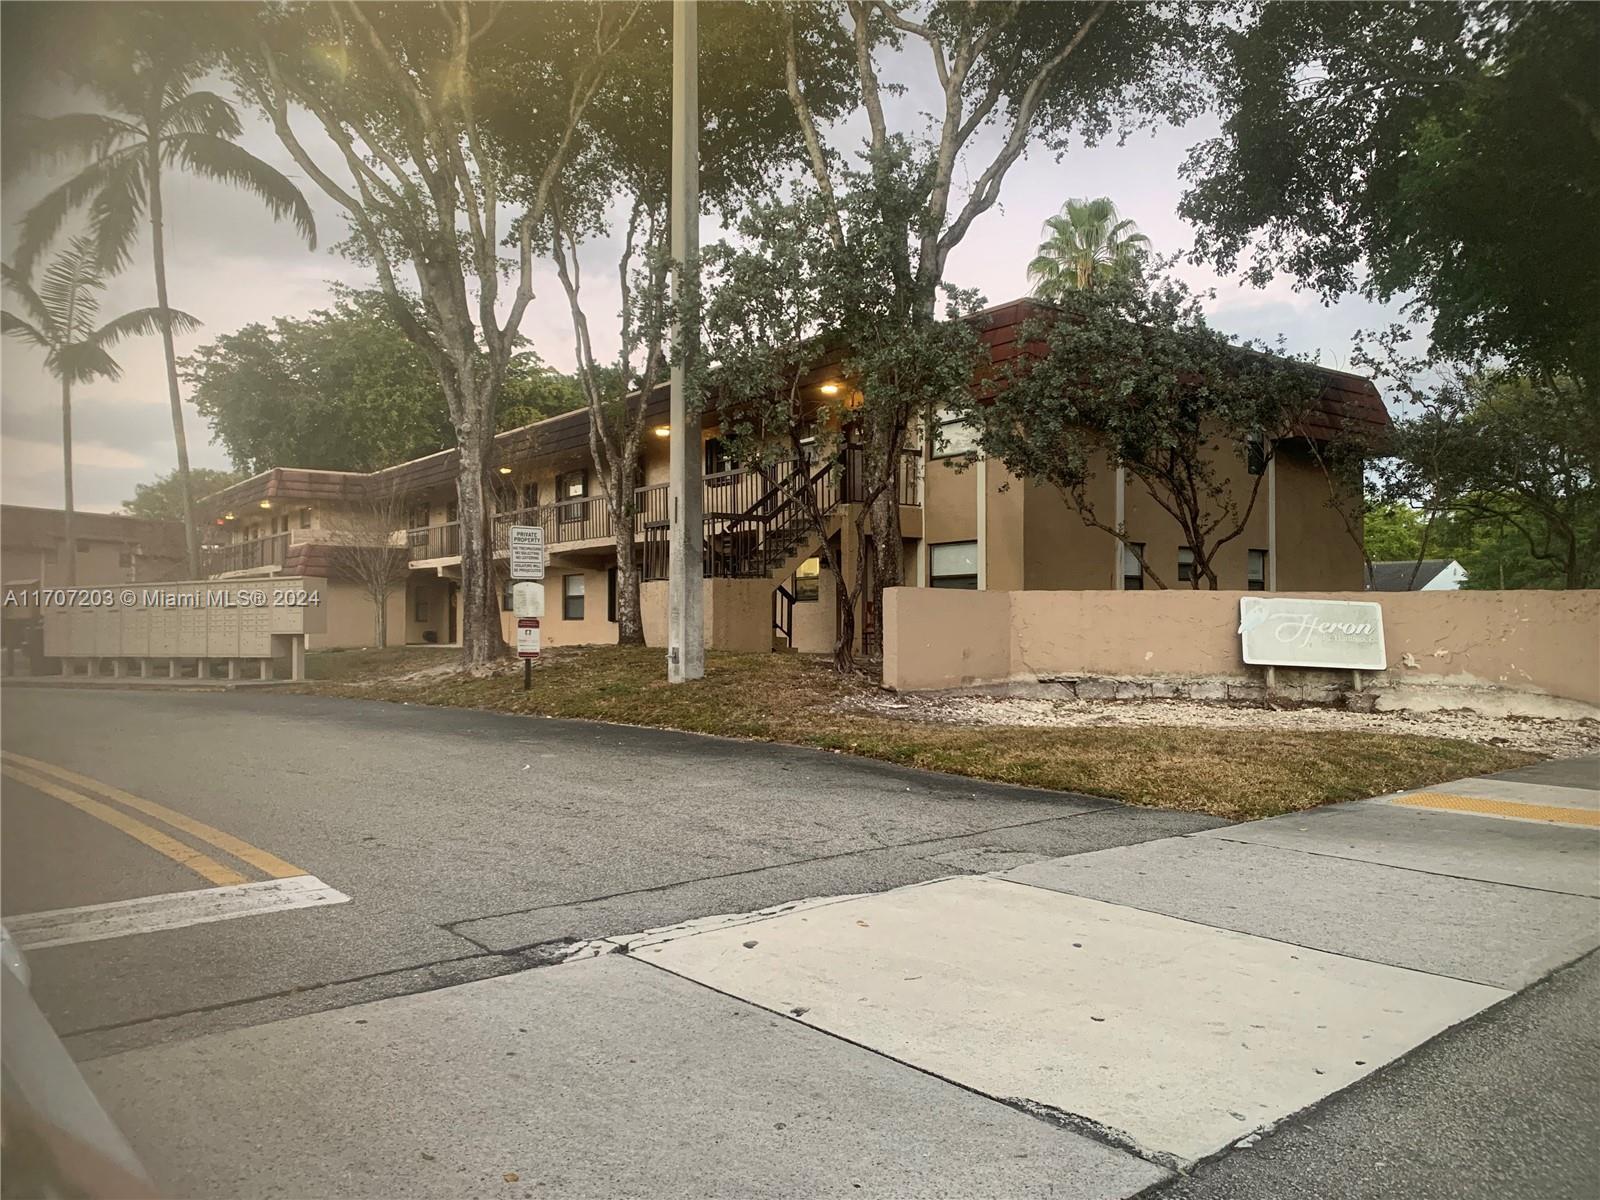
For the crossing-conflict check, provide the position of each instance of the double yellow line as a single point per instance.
(70, 787)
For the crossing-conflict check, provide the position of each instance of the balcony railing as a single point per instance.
(434, 541)
(730, 497)
(257, 554)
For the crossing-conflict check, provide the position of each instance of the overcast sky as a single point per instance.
(230, 265)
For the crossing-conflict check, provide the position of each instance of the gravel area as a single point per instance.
(1553, 738)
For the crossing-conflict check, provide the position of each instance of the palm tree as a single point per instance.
(60, 320)
(1083, 246)
(155, 121)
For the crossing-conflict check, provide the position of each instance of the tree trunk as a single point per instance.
(381, 630)
(66, 467)
(158, 254)
(630, 620)
(888, 551)
(481, 642)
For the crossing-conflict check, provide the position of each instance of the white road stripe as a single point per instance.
(147, 914)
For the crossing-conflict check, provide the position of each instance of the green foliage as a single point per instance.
(342, 389)
(1131, 375)
(163, 499)
(1085, 245)
(1449, 153)
(1514, 466)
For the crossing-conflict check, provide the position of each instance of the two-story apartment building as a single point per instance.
(965, 523)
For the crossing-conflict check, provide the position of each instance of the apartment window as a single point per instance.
(611, 594)
(420, 611)
(718, 460)
(953, 565)
(1256, 571)
(1255, 456)
(450, 511)
(419, 517)
(1132, 567)
(808, 579)
(530, 495)
(951, 436)
(125, 558)
(305, 518)
(574, 485)
(572, 597)
(1185, 564)
(506, 601)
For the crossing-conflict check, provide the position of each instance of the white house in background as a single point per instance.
(1408, 575)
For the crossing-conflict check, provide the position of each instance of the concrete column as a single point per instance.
(264, 671)
(686, 650)
(297, 656)
(144, 668)
(116, 668)
(233, 668)
(1272, 524)
(173, 670)
(94, 667)
(982, 472)
(202, 668)
(1121, 524)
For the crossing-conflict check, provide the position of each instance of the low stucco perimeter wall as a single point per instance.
(1539, 642)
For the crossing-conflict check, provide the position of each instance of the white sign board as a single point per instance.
(527, 637)
(1282, 631)
(527, 552)
(527, 599)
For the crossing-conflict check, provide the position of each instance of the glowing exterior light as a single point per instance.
(662, 431)
(830, 389)
(505, 470)
(266, 504)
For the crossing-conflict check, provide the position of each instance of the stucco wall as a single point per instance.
(1522, 641)
(351, 619)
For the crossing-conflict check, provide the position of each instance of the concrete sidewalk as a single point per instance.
(1155, 1004)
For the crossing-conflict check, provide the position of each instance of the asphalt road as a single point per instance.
(470, 844)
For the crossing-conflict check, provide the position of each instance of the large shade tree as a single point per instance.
(343, 389)
(614, 201)
(401, 96)
(1445, 154)
(999, 79)
(61, 316)
(1130, 377)
(1085, 244)
(143, 68)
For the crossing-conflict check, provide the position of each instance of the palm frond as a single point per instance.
(116, 215)
(44, 220)
(31, 300)
(228, 162)
(200, 112)
(139, 323)
(83, 361)
(69, 286)
(15, 326)
(75, 137)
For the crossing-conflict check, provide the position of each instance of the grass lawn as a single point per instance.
(1239, 774)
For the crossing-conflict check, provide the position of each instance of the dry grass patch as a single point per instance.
(1235, 773)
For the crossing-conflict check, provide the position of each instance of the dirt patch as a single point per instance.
(1556, 738)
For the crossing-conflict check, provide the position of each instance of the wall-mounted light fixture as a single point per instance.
(227, 516)
(829, 389)
(662, 431)
(505, 470)
(266, 504)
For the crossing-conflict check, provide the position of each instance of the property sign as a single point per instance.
(527, 637)
(527, 599)
(1281, 631)
(527, 552)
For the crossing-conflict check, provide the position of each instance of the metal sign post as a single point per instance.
(527, 596)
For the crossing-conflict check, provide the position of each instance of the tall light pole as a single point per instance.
(686, 639)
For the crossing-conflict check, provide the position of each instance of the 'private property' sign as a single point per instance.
(1280, 631)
